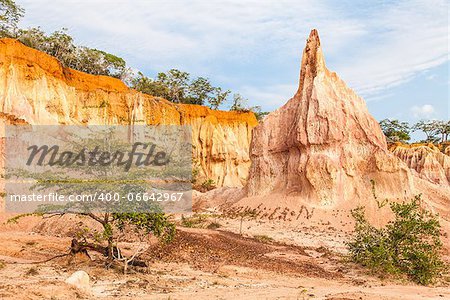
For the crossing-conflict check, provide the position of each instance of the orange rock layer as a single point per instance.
(36, 89)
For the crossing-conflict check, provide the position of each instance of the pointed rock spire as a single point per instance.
(323, 146)
(313, 61)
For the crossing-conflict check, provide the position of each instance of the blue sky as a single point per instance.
(393, 53)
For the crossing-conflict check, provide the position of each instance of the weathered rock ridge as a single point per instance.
(36, 89)
(323, 147)
(426, 161)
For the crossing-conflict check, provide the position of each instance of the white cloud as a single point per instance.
(176, 32)
(431, 77)
(272, 96)
(406, 39)
(372, 47)
(425, 111)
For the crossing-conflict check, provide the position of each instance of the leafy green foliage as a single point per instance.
(10, 14)
(260, 115)
(395, 130)
(199, 221)
(61, 45)
(438, 130)
(443, 128)
(219, 97)
(194, 221)
(239, 103)
(429, 128)
(177, 83)
(157, 224)
(263, 238)
(115, 217)
(208, 185)
(409, 244)
(176, 86)
(149, 86)
(200, 91)
(435, 130)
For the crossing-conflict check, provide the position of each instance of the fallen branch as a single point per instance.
(43, 261)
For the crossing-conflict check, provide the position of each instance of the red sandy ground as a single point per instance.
(289, 263)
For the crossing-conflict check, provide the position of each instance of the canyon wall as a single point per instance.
(425, 161)
(36, 89)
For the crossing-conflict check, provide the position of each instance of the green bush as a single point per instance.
(409, 244)
(213, 225)
(195, 221)
(263, 238)
(208, 185)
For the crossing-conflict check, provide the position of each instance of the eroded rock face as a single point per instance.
(323, 146)
(36, 89)
(427, 161)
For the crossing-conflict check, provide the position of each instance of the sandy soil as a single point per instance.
(268, 260)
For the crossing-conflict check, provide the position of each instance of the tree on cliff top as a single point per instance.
(442, 128)
(176, 86)
(429, 128)
(200, 90)
(395, 130)
(240, 104)
(10, 14)
(177, 83)
(219, 98)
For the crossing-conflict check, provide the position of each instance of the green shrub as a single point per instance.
(263, 238)
(213, 225)
(409, 244)
(208, 185)
(195, 221)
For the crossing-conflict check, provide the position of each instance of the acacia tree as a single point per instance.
(395, 131)
(429, 128)
(60, 45)
(199, 91)
(10, 14)
(176, 82)
(149, 86)
(115, 218)
(442, 128)
(33, 37)
(219, 98)
(239, 103)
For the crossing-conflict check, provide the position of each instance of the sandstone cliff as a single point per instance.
(323, 147)
(426, 161)
(36, 89)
